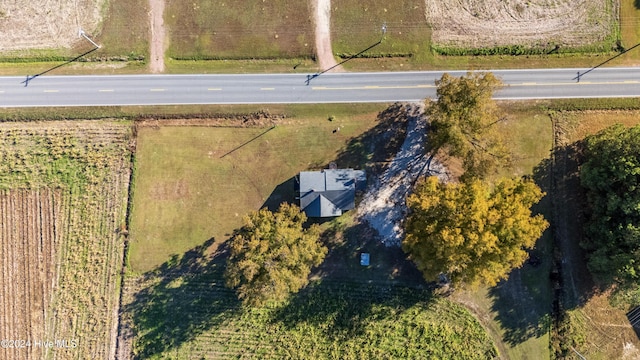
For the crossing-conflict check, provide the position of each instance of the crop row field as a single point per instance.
(63, 201)
(183, 311)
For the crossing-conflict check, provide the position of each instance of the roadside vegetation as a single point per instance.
(214, 37)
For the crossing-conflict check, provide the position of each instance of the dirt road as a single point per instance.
(322, 20)
(157, 41)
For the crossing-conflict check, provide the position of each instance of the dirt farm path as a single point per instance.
(322, 20)
(157, 43)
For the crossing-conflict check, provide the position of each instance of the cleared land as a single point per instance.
(196, 183)
(36, 24)
(28, 242)
(203, 179)
(63, 205)
(541, 24)
(253, 29)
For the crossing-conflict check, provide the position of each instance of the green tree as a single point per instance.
(470, 232)
(272, 255)
(611, 176)
(461, 122)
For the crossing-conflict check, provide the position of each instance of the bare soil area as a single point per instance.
(61, 251)
(29, 235)
(489, 23)
(383, 206)
(156, 61)
(322, 20)
(42, 24)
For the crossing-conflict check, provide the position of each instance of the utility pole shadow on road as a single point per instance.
(577, 78)
(80, 33)
(311, 77)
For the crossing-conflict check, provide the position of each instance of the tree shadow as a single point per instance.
(376, 147)
(181, 299)
(522, 303)
(346, 295)
(556, 277)
(387, 265)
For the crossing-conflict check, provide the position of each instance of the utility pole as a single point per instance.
(384, 31)
(83, 34)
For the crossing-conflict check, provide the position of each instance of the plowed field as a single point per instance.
(530, 23)
(46, 24)
(63, 199)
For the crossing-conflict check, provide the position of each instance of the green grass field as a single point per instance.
(195, 183)
(125, 30)
(355, 25)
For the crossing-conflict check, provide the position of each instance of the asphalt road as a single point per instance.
(293, 88)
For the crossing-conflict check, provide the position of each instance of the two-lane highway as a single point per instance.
(293, 88)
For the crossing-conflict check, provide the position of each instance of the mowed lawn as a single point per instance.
(252, 29)
(196, 183)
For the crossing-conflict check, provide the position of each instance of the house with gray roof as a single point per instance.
(329, 192)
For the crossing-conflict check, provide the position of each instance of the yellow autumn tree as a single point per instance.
(462, 122)
(470, 232)
(272, 255)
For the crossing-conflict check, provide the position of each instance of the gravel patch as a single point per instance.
(383, 206)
